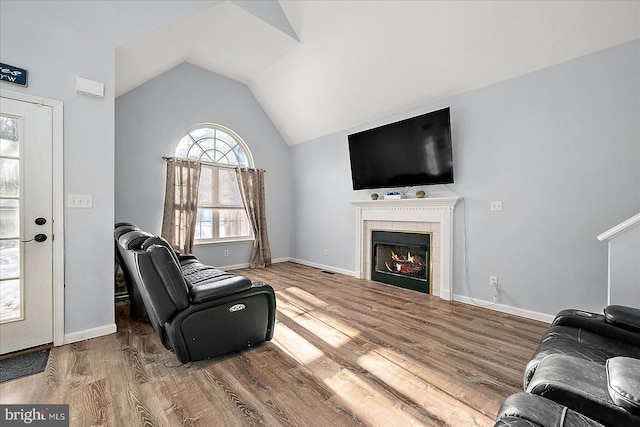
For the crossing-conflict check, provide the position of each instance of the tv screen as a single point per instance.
(415, 151)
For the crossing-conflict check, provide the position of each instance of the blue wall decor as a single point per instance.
(11, 74)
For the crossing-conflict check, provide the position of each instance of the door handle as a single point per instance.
(38, 238)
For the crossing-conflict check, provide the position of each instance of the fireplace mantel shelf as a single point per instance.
(427, 202)
(390, 214)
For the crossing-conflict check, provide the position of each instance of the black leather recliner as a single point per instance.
(136, 306)
(585, 372)
(198, 311)
(589, 336)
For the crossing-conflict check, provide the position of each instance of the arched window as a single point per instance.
(221, 213)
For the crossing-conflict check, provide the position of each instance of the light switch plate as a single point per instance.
(81, 201)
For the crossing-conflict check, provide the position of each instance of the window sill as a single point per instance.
(223, 242)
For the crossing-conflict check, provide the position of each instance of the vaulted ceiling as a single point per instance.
(318, 67)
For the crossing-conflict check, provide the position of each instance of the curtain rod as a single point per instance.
(218, 165)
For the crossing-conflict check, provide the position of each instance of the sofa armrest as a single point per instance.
(597, 324)
(623, 382)
(219, 288)
(623, 317)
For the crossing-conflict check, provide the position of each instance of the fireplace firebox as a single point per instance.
(402, 259)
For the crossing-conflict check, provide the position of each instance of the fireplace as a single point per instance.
(401, 259)
(429, 215)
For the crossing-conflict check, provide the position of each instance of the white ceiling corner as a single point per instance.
(235, 43)
(270, 12)
(225, 39)
(318, 67)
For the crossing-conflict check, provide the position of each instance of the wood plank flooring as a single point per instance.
(346, 352)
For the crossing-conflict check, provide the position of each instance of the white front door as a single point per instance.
(26, 224)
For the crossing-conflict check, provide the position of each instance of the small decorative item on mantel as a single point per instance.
(420, 194)
(374, 196)
(393, 195)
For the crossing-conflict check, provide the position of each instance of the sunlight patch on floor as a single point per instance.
(373, 407)
(439, 404)
(332, 335)
(296, 346)
(304, 296)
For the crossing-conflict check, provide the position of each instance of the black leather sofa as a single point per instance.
(198, 311)
(585, 372)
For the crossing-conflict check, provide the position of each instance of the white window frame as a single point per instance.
(212, 164)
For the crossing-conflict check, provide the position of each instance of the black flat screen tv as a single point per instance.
(414, 151)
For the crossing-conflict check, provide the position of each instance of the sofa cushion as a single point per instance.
(219, 288)
(623, 317)
(623, 381)
(196, 273)
(206, 282)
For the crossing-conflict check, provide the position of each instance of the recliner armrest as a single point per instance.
(623, 317)
(597, 324)
(623, 382)
(219, 288)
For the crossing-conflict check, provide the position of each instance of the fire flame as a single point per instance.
(409, 258)
(404, 264)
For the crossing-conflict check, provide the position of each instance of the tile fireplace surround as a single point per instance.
(434, 215)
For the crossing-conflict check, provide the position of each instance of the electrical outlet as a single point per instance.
(226, 253)
(496, 206)
(493, 281)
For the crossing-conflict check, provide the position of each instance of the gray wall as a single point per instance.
(151, 119)
(55, 42)
(624, 268)
(560, 147)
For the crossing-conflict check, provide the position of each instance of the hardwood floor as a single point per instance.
(346, 352)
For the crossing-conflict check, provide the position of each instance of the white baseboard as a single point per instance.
(323, 267)
(233, 266)
(90, 333)
(528, 314)
(246, 265)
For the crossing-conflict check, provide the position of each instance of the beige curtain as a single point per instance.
(251, 183)
(181, 203)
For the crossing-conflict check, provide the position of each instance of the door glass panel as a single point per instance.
(9, 177)
(9, 218)
(10, 286)
(10, 300)
(9, 259)
(9, 137)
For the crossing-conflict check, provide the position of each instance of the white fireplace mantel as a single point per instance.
(391, 214)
